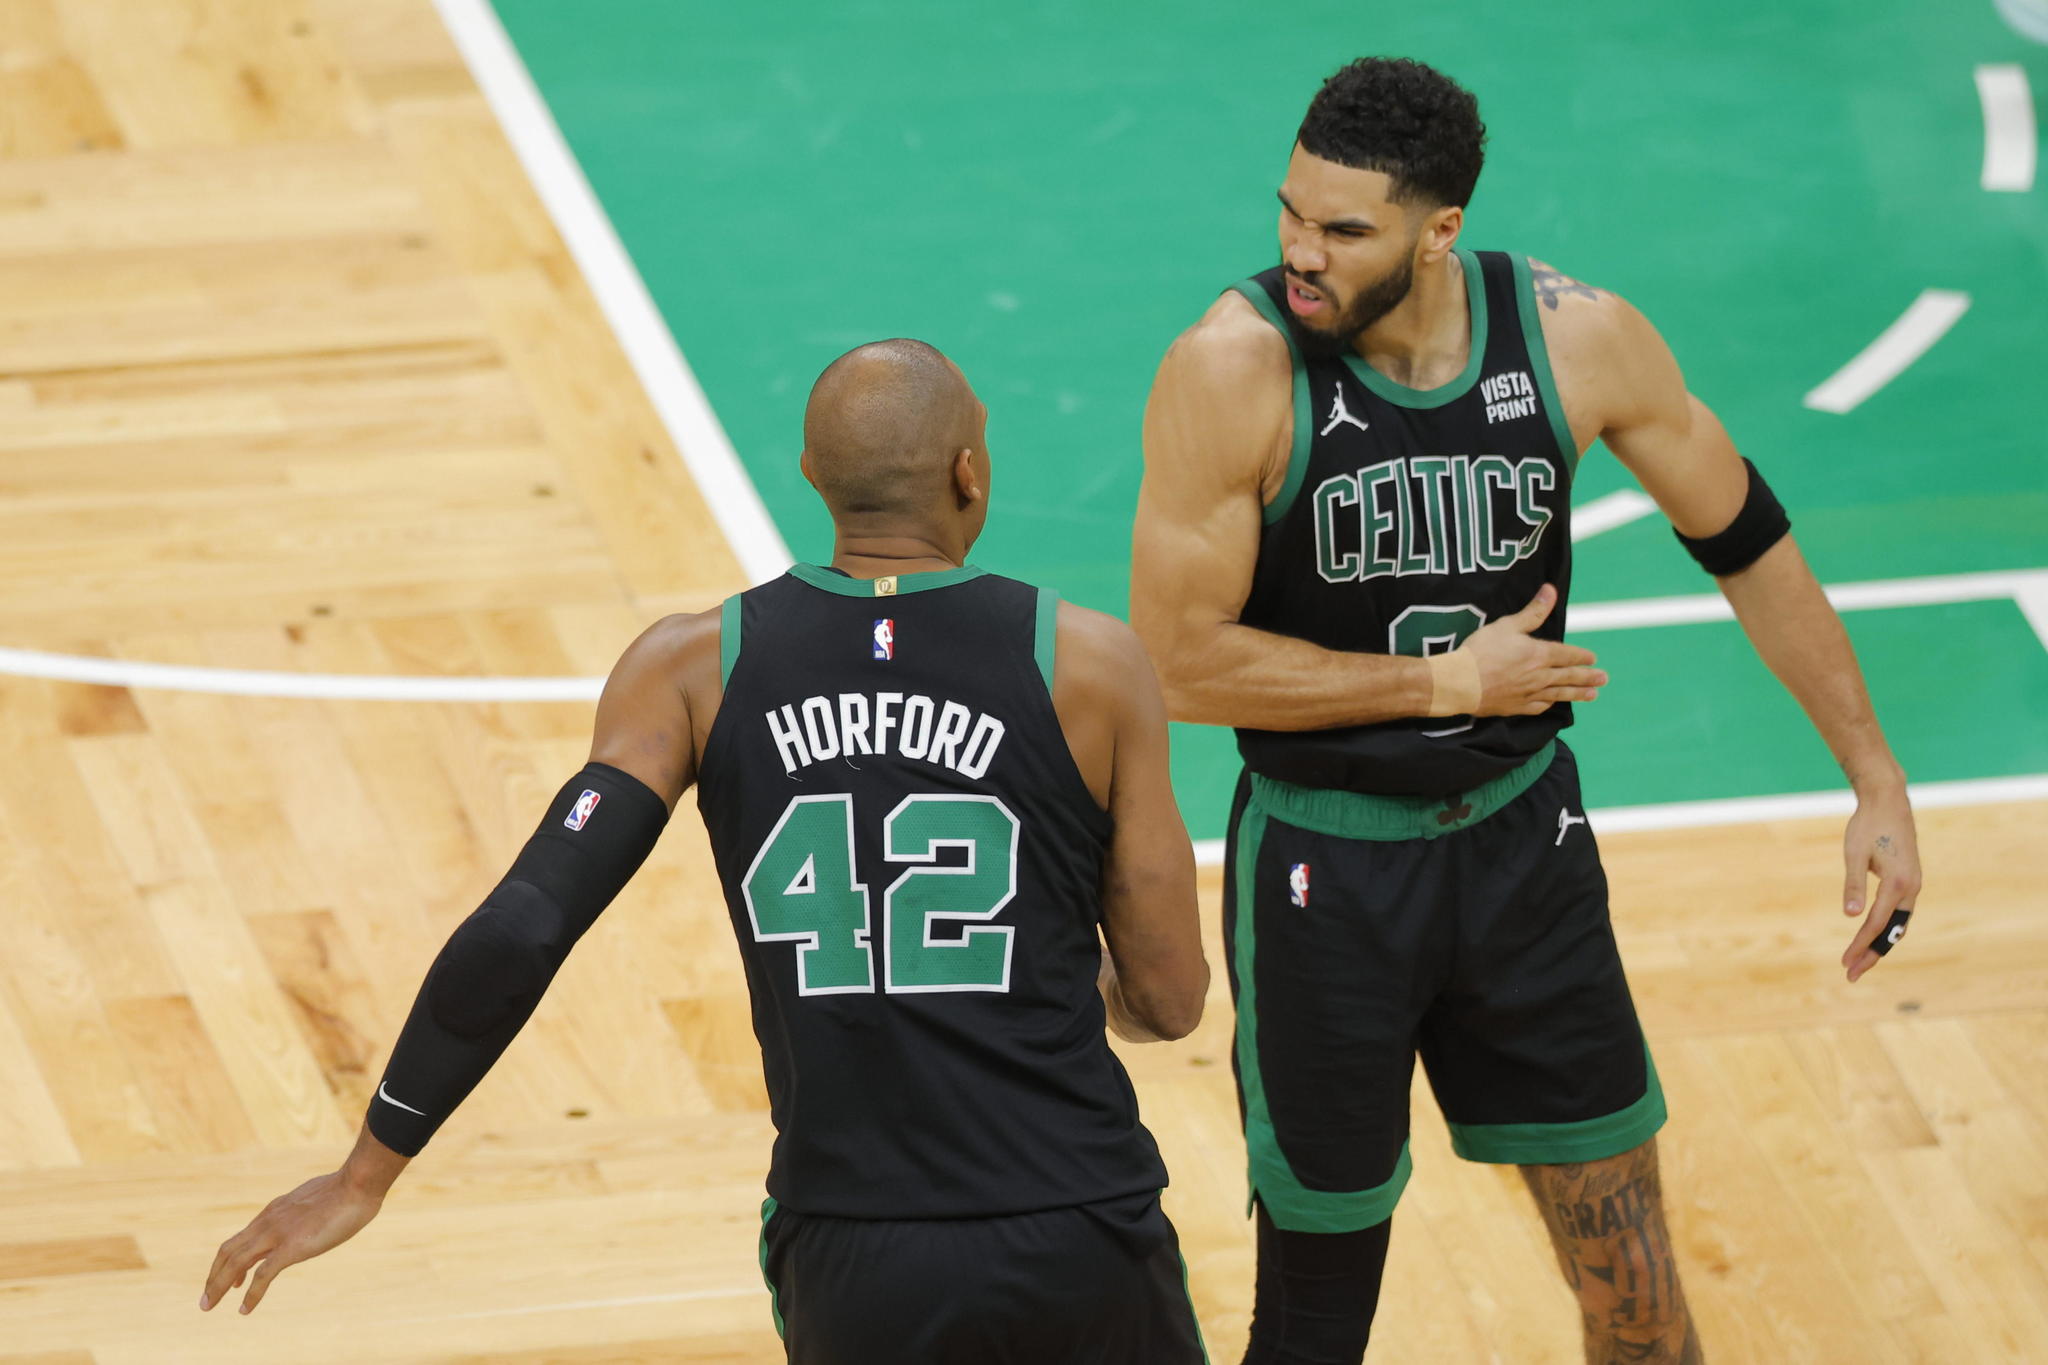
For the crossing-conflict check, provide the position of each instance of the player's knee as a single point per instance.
(497, 963)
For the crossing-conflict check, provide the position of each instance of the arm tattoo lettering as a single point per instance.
(1550, 284)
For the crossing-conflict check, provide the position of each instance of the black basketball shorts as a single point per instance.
(1097, 1284)
(1360, 931)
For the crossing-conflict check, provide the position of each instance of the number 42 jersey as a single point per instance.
(913, 862)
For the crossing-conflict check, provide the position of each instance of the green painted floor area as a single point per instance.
(1050, 192)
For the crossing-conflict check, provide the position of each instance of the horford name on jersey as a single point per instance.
(855, 723)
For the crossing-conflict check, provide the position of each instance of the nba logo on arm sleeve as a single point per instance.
(1297, 885)
(885, 638)
(579, 814)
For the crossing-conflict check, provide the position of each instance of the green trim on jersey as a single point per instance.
(1539, 358)
(1391, 819)
(830, 581)
(728, 639)
(1292, 1206)
(1304, 412)
(768, 1207)
(1401, 394)
(1549, 1144)
(1045, 642)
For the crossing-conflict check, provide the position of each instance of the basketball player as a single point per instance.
(1353, 545)
(925, 786)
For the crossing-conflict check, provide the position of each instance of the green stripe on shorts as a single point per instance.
(1552, 1144)
(1290, 1204)
(768, 1207)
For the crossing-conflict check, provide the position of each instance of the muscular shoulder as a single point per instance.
(1604, 352)
(1233, 346)
(1100, 657)
(1221, 412)
(680, 651)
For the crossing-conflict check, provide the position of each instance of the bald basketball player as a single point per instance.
(1353, 547)
(927, 789)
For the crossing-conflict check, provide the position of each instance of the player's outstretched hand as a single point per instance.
(317, 1216)
(1520, 675)
(1880, 843)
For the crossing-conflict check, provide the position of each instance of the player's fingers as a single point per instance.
(1557, 655)
(1875, 923)
(265, 1273)
(1538, 610)
(1856, 883)
(1576, 677)
(230, 1264)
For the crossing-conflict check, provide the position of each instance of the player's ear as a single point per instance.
(1440, 229)
(967, 482)
(803, 464)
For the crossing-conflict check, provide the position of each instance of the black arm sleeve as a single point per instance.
(495, 967)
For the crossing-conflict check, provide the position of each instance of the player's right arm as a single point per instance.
(1154, 976)
(1218, 433)
(656, 708)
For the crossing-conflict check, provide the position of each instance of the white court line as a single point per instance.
(1936, 590)
(2009, 139)
(30, 663)
(2027, 587)
(1923, 323)
(622, 295)
(1605, 513)
(1742, 810)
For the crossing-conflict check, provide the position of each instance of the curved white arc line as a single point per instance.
(620, 292)
(2010, 145)
(1739, 810)
(29, 663)
(1925, 321)
(1609, 511)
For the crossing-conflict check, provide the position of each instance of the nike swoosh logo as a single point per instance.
(385, 1095)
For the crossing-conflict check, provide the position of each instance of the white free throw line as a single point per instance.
(1739, 810)
(1923, 323)
(1610, 510)
(635, 1301)
(1935, 590)
(622, 295)
(2009, 139)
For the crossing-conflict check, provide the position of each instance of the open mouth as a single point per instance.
(1305, 300)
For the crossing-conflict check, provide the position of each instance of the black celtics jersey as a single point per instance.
(1408, 519)
(913, 863)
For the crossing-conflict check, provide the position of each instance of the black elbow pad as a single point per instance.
(1760, 524)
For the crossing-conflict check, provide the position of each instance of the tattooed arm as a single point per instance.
(1620, 384)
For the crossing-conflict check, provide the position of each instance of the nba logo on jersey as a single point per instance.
(885, 638)
(579, 814)
(1297, 885)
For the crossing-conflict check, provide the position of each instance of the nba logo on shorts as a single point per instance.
(1297, 885)
(885, 638)
(579, 814)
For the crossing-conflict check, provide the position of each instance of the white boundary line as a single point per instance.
(1742, 810)
(2021, 585)
(2010, 149)
(622, 295)
(1925, 321)
(1609, 511)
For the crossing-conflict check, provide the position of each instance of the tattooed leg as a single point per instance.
(1606, 1221)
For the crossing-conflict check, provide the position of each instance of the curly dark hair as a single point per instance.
(1409, 121)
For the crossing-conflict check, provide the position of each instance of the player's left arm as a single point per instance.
(491, 974)
(1633, 397)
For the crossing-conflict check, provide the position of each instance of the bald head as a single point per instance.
(885, 423)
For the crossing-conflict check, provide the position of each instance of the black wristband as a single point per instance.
(1760, 524)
